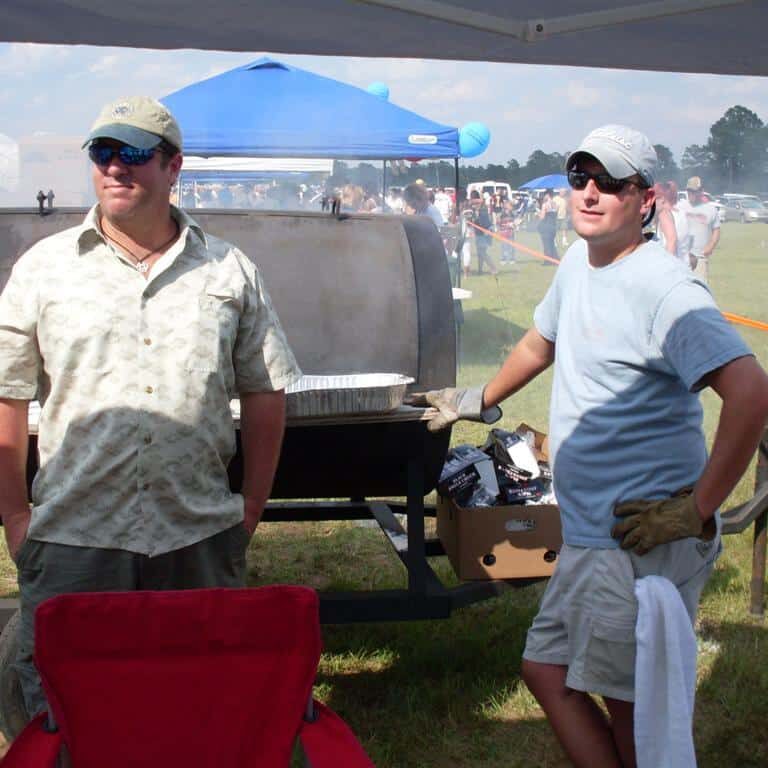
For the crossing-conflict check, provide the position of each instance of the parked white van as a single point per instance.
(491, 187)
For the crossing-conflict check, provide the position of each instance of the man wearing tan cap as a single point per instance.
(703, 226)
(134, 330)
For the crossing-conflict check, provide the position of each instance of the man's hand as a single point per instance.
(646, 524)
(16, 525)
(253, 510)
(454, 404)
(262, 420)
(14, 506)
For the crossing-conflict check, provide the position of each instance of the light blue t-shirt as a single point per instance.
(632, 340)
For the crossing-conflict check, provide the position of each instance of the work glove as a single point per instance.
(646, 524)
(454, 404)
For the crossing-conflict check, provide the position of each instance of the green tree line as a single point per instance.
(734, 159)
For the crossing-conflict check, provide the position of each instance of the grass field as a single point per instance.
(448, 693)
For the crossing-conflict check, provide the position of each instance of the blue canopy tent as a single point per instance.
(270, 109)
(552, 181)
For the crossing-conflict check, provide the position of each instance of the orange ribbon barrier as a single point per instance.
(730, 316)
(514, 243)
(745, 321)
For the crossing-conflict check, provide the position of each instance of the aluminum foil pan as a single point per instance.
(343, 394)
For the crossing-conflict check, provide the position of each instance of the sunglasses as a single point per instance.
(102, 154)
(604, 182)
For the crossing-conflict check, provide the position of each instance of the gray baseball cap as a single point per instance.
(622, 151)
(139, 121)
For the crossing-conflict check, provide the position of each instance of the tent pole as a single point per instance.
(384, 185)
(456, 187)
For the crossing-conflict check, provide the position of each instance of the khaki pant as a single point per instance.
(47, 570)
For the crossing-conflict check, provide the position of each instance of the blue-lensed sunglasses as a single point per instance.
(102, 154)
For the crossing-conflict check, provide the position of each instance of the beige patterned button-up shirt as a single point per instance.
(135, 377)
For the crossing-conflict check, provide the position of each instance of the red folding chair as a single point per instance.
(210, 678)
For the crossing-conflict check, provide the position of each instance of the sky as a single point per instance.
(60, 89)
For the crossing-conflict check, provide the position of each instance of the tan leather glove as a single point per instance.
(454, 404)
(646, 524)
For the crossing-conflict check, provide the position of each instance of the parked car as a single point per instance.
(744, 209)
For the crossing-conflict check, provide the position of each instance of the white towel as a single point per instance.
(665, 677)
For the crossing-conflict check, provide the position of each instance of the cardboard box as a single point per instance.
(505, 542)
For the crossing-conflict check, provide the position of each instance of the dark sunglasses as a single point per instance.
(603, 181)
(102, 154)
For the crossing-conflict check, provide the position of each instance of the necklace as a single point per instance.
(140, 263)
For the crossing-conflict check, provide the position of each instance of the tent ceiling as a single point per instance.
(717, 36)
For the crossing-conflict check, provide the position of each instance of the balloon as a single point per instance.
(379, 89)
(474, 139)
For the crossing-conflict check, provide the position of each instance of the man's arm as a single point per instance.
(743, 387)
(667, 227)
(714, 239)
(262, 423)
(529, 357)
(14, 506)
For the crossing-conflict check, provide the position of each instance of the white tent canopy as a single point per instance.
(258, 164)
(716, 36)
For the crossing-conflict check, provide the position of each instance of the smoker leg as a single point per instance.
(417, 562)
(757, 586)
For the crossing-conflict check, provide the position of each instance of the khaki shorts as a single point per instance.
(588, 613)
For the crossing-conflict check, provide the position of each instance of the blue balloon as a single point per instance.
(379, 89)
(474, 139)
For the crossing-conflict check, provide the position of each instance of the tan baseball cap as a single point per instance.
(137, 120)
(694, 183)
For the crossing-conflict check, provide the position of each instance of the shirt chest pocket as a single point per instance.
(79, 335)
(215, 330)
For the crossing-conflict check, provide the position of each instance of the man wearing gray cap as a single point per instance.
(634, 337)
(134, 330)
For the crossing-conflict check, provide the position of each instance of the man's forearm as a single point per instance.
(14, 506)
(712, 244)
(529, 357)
(667, 226)
(744, 390)
(262, 423)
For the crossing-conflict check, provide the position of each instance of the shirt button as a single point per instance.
(147, 341)
(149, 390)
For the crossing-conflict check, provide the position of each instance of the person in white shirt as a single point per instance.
(416, 198)
(703, 226)
(443, 204)
(672, 224)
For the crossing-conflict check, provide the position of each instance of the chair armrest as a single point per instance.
(328, 742)
(34, 747)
